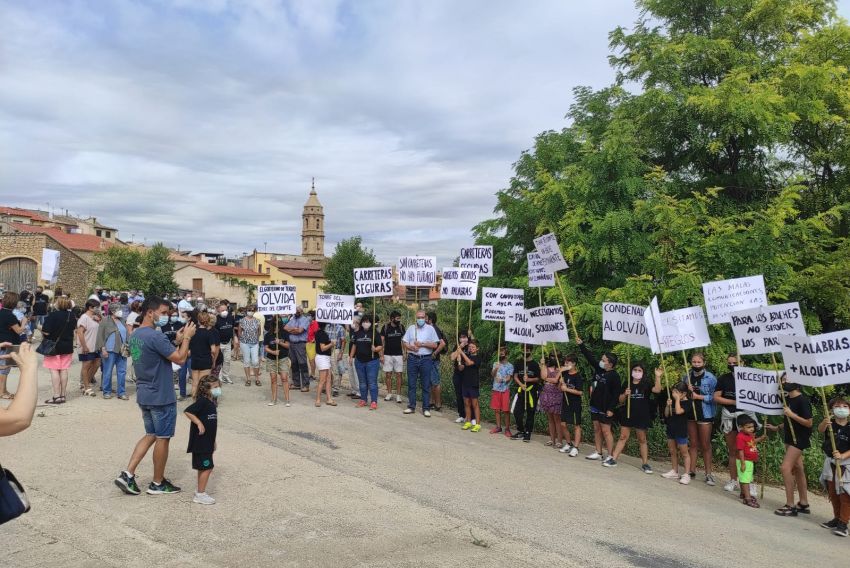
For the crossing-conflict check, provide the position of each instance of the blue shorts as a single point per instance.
(435, 374)
(160, 420)
(680, 441)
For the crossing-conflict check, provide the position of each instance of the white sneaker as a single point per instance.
(203, 499)
(398, 398)
(427, 414)
(731, 486)
(685, 479)
(388, 398)
(672, 474)
(566, 449)
(288, 405)
(594, 456)
(408, 411)
(573, 452)
(460, 420)
(273, 403)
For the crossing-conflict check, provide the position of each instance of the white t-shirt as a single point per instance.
(131, 319)
(89, 326)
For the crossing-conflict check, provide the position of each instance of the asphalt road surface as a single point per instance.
(348, 487)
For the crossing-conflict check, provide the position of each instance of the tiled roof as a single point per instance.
(89, 243)
(298, 269)
(23, 213)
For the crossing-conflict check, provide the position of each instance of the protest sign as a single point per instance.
(817, 360)
(50, 265)
(459, 284)
(276, 299)
(373, 282)
(624, 323)
(757, 390)
(518, 327)
(549, 324)
(550, 253)
(419, 271)
(676, 330)
(479, 257)
(334, 308)
(496, 300)
(757, 330)
(538, 275)
(726, 296)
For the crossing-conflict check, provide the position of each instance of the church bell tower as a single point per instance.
(313, 230)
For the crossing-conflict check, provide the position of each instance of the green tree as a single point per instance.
(158, 271)
(120, 268)
(339, 270)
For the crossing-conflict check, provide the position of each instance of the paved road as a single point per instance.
(345, 487)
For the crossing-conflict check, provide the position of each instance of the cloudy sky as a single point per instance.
(201, 122)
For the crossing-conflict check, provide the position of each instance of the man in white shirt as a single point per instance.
(420, 340)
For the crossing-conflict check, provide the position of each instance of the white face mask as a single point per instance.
(250, 314)
(367, 325)
(223, 314)
(602, 365)
(637, 374)
(841, 412)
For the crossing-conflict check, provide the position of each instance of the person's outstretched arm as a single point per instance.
(18, 416)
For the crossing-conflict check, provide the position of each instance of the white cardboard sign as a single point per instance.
(459, 284)
(538, 275)
(550, 253)
(373, 282)
(518, 327)
(50, 265)
(479, 257)
(624, 323)
(757, 330)
(817, 360)
(278, 299)
(335, 308)
(726, 296)
(676, 330)
(757, 390)
(548, 323)
(495, 302)
(419, 271)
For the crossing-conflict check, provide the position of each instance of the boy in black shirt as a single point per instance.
(527, 379)
(204, 417)
(393, 355)
(572, 386)
(604, 396)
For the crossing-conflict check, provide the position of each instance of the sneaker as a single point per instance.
(203, 499)
(709, 480)
(830, 524)
(566, 449)
(107, 396)
(526, 437)
(573, 452)
(460, 420)
(508, 434)
(287, 405)
(166, 487)
(594, 456)
(398, 398)
(373, 406)
(610, 462)
(685, 479)
(517, 436)
(476, 428)
(388, 398)
(180, 398)
(127, 483)
(427, 414)
(361, 403)
(227, 381)
(672, 474)
(840, 530)
(731, 486)
(272, 403)
(408, 410)
(123, 397)
(496, 430)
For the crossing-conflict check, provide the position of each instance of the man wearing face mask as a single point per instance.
(297, 330)
(421, 340)
(353, 378)
(604, 396)
(153, 355)
(225, 324)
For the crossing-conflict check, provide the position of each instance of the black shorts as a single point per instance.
(202, 462)
(633, 423)
(470, 391)
(89, 356)
(201, 364)
(601, 417)
(571, 413)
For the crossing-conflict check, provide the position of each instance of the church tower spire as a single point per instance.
(313, 231)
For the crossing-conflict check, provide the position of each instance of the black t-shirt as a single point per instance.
(39, 307)
(59, 326)
(471, 372)
(456, 363)
(170, 330)
(363, 343)
(605, 388)
(802, 407)
(269, 341)
(575, 381)
(638, 411)
(392, 335)
(26, 297)
(842, 438)
(7, 320)
(530, 369)
(201, 347)
(322, 338)
(205, 410)
(440, 337)
(677, 424)
(225, 328)
(726, 388)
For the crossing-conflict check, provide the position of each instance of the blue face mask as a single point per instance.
(420, 322)
(161, 321)
(174, 319)
(284, 320)
(216, 392)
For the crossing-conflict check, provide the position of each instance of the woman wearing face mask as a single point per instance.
(799, 414)
(638, 415)
(249, 344)
(457, 376)
(700, 413)
(353, 379)
(111, 343)
(604, 393)
(551, 400)
(59, 326)
(572, 385)
(840, 455)
(365, 355)
(324, 350)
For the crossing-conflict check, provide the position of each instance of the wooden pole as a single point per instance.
(784, 402)
(836, 474)
(567, 305)
(629, 381)
(661, 354)
(688, 378)
(373, 321)
(764, 460)
(469, 322)
(457, 323)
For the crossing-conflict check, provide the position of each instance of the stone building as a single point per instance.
(20, 264)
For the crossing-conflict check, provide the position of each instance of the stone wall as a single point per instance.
(76, 276)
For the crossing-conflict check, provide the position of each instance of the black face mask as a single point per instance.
(697, 369)
(732, 366)
(790, 387)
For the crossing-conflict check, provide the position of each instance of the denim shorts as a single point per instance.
(160, 420)
(435, 374)
(680, 441)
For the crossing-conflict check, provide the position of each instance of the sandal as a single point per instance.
(751, 502)
(258, 383)
(550, 443)
(318, 404)
(804, 509)
(786, 511)
(331, 403)
(54, 400)
(88, 392)
(7, 396)
(247, 383)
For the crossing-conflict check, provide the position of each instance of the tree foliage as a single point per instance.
(721, 151)
(126, 268)
(339, 270)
